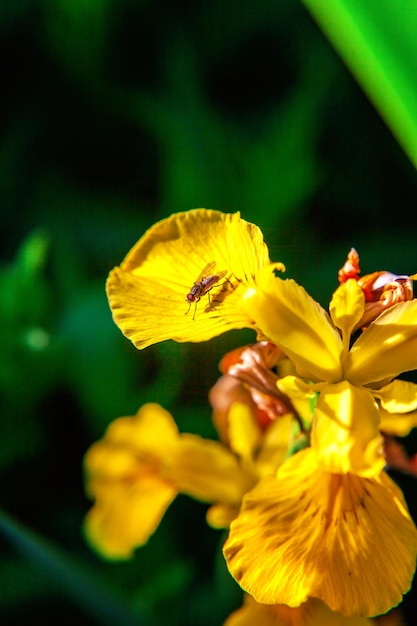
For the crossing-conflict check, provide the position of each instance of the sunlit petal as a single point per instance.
(397, 424)
(244, 432)
(303, 396)
(399, 396)
(151, 429)
(295, 388)
(311, 533)
(291, 319)
(386, 348)
(126, 514)
(275, 446)
(345, 431)
(221, 515)
(147, 293)
(347, 307)
(208, 471)
(126, 476)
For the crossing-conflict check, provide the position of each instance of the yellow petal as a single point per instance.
(148, 292)
(312, 613)
(275, 445)
(244, 432)
(344, 539)
(386, 348)
(127, 476)
(303, 396)
(207, 470)
(104, 460)
(347, 307)
(397, 424)
(345, 431)
(295, 388)
(131, 446)
(399, 396)
(126, 514)
(291, 319)
(220, 515)
(152, 428)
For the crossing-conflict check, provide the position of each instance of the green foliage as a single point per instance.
(377, 40)
(116, 114)
(26, 347)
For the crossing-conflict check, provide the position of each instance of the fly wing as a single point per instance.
(221, 275)
(207, 271)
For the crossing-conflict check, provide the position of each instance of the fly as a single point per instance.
(206, 280)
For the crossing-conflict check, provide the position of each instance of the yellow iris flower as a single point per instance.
(142, 463)
(330, 523)
(314, 529)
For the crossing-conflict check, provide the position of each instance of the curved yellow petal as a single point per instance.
(126, 514)
(148, 292)
(275, 446)
(295, 388)
(346, 308)
(302, 395)
(260, 452)
(131, 447)
(344, 539)
(127, 476)
(244, 432)
(397, 424)
(399, 396)
(345, 431)
(220, 515)
(312, 613)
(207, 470)
(151, 429)
(291, 319)
(386, 348)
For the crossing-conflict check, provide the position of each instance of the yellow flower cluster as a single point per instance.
(298, 472)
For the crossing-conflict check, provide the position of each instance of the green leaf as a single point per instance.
(377, 41)
(23, 289)
(67, 574)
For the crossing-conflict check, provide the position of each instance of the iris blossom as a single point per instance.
(137, 469)
(330, 523)
(143, 462)
(316, 529)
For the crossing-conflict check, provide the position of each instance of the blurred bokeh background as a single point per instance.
(115, 114)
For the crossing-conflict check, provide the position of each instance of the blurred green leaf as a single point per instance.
(110, 377)
(167, 376)
(28, 354)
(162, 589)
(77, 33)
(68, 575)
(99, 366)
(281, 170)
(377, 39)
(23, 289)
(20, 583)
(212, 161)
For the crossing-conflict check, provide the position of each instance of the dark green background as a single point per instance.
(115, 114)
